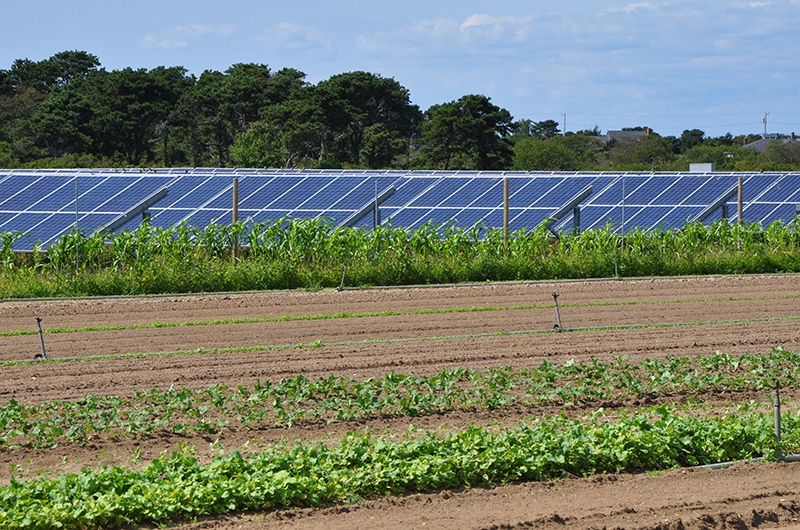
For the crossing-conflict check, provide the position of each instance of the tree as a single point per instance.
(370, 117)
(689, 139)
(16, 110)
(726, 157)
(289, 134)
(780, 155)
(59, 70)
(129, 106)
(642, 154)
(470, 133)
(573, 152)
(61, 123)
(534, 129)
(211, 131)
(534, 154)
(226, 105)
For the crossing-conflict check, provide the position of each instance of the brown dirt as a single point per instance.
(742, 314)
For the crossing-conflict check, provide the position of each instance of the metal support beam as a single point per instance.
(140, 208)
(574, 205)
(370, 207)
(721, 202)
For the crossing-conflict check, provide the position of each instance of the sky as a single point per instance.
(719, 66)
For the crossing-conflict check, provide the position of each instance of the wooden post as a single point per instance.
(741, 201)
(505, 209)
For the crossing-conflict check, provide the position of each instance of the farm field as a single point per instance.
(123, 347)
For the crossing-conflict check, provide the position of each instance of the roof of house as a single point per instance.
(760, 145)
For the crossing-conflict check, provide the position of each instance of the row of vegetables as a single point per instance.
(178, 487)
(297, 400)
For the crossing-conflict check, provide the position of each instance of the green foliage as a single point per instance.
(335, 399)
(306, 253)
(469, 133)
(177, 487)
(66, 111)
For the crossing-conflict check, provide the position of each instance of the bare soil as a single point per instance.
(642, 318)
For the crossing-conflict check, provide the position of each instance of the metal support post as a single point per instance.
(505, 210)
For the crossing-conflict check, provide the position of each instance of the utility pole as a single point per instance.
(564, 116)
(764, 121)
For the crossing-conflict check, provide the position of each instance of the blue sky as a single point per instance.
(671, 65)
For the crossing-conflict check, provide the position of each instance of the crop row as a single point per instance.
(306, 253)
(335, 399)
(176, 487)
(161, 324)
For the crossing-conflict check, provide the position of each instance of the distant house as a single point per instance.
(625, 135)
(760, 145)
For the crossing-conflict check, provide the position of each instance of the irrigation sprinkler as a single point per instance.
(776, 405)
(341, 284)
(40, 356)
(557, 327)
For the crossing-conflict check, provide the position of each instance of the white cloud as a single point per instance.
(495, 27)
(437, 28)
(288, 35)
(630, 8)
(181, 36)
(752, 5)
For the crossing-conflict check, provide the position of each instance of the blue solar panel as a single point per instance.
(342, 192)
(786, 189)
(491, 197)
(270, 194)
(532, 193)
(564, 191)
(295, 197)
(444, 189)
(203, 218)
(193, 191)
(408, 190)
(98, 195)
(652, 191)
(530, 218)
(23, 222)
(133, 194)
(468, 218)
(355, 195)
(784, 212)
(42, 202)
(467, 194)
(270, 215)
(650, 217)
(409, 216)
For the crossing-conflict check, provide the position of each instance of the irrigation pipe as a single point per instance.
(320, 344)
(723, 465)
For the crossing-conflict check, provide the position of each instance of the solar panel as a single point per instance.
(41, 203)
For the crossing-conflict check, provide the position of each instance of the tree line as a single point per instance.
(68, 111)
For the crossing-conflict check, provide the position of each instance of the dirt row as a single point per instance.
(648, 318)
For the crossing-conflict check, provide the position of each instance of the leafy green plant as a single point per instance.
(177, 487)
(296, 400)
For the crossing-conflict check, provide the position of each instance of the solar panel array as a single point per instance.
(45, 204)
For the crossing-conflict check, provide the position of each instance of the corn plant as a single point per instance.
(295, 253)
